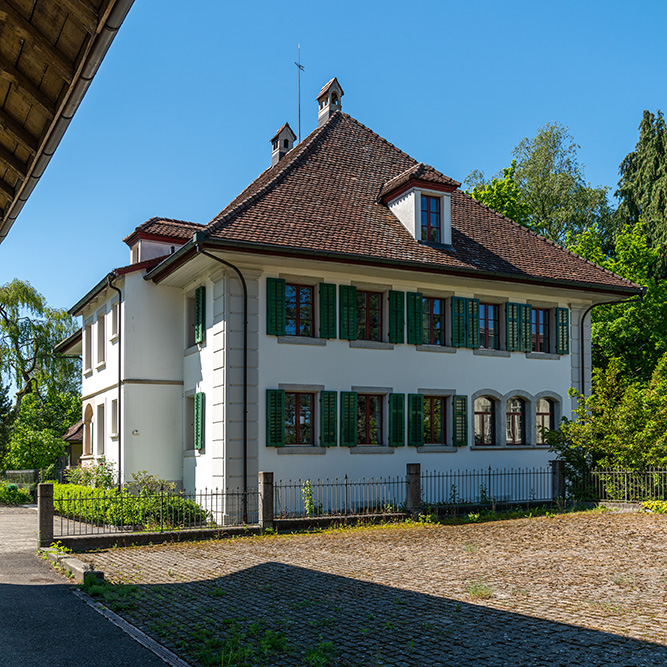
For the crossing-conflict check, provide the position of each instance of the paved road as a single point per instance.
(41, 622)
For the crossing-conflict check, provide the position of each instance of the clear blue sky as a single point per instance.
(179, 117)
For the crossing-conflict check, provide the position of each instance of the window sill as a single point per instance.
(191, 350)
(300, 449)
(87, 372)
(542, 355)
(114, 436)
(436, 348)
(436, 244)
(101, 366)
(113, 338)
(371, 345)
(504, 447)
(192, 453)
(301, 340)
(484, 352)
(436, 449)
(371, 449)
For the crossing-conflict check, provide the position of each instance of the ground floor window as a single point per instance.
(485, 421)
(299, 419)
(369, 419)
(516, 422)
(544, 417)
(435, 410)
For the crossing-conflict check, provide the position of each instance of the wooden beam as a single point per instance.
(25, 30)
(27, 140)
(12, 162)
(83, 13)
(26, 87)
(7, 189)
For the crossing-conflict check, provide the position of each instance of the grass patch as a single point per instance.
(478, 590)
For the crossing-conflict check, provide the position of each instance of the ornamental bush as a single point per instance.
(112, 507)
(11, 494)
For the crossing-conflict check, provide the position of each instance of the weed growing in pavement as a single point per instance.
(471, 548)
(320, 655)
(478, 590)
(118, 597)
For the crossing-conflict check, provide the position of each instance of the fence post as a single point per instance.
(45, 514)
(413, 495)
(265, 500)
(558, 479)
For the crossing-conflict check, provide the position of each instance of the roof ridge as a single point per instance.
(157, 218)
(303, 148)
(546, 240)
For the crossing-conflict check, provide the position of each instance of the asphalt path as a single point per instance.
(42, 623)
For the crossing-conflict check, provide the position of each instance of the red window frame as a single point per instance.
(433, 334)
(430, 219)
(367, 315)
(544, 419)
(300, 323)
(540, 325)
(489, 329)
(369, 406)
(300, 414)
(482, 437)
(434, 435)
(515, 424)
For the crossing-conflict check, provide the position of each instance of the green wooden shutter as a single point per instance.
(415, 420)
(473, 323)
(328, 419)
(415, 319)
(512, 327)
(460, 420)
(275, 418)
(327, 310)
(348, 418)
(459, 312)
(348, 312)
(396, 420)
(275, 306)
(200, 314)
(562, 331)
(396, 316)
(526, 327)
(199, 421)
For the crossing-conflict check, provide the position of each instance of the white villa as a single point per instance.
(352, 310)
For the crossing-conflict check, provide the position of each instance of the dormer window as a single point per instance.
(430, 220)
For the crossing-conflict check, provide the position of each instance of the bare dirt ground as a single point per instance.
(574, 589)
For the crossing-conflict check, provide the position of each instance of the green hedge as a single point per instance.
(111, 507)
(11, 494)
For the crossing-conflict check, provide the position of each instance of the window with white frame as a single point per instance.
(101, 339)
(114, 320)
(114, 418)
(87, 348)
(99, 431)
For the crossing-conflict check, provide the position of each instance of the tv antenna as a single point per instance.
(300, 69)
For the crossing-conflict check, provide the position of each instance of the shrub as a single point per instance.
(101, 475)
(10, 494)
(121, 508)
(657, 506)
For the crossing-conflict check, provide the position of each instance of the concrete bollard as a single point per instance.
(266, 500)
(45, 514)
(413, 496)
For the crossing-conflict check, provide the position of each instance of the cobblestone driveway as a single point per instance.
(579, 589)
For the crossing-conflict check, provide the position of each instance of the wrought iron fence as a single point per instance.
(338, 497)
(614, 484)
(486, 486)
(87, 511)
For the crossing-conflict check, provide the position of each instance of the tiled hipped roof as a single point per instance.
(324, 196)
(176, 229)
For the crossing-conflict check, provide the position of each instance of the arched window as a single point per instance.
(334, 98)
(516, 421)
(544, 419)
(485, 421)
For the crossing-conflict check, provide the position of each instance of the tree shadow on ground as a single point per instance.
(277, 615)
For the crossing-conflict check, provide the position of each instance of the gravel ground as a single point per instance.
(576, 589)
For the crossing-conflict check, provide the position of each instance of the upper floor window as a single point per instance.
(299, 420)
(489, 326)
(516, 422)
(435, 432)
(433, 321)
(369, 315)
(430, 218)
(101, 339)
(87, 347)
(544, 419)
(299, 301)
(485, 421)
(369, 419)
(540, 329)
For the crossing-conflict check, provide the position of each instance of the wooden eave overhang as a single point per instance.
(414, 183)
(189, 251)
(72, 346)
(50, 50)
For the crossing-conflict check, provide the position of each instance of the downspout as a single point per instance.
(110, 278)
(198, 240)
(640, 297)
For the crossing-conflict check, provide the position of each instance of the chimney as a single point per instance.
(329, 101)
(281, 143)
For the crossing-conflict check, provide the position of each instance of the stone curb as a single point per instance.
(76, 568)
